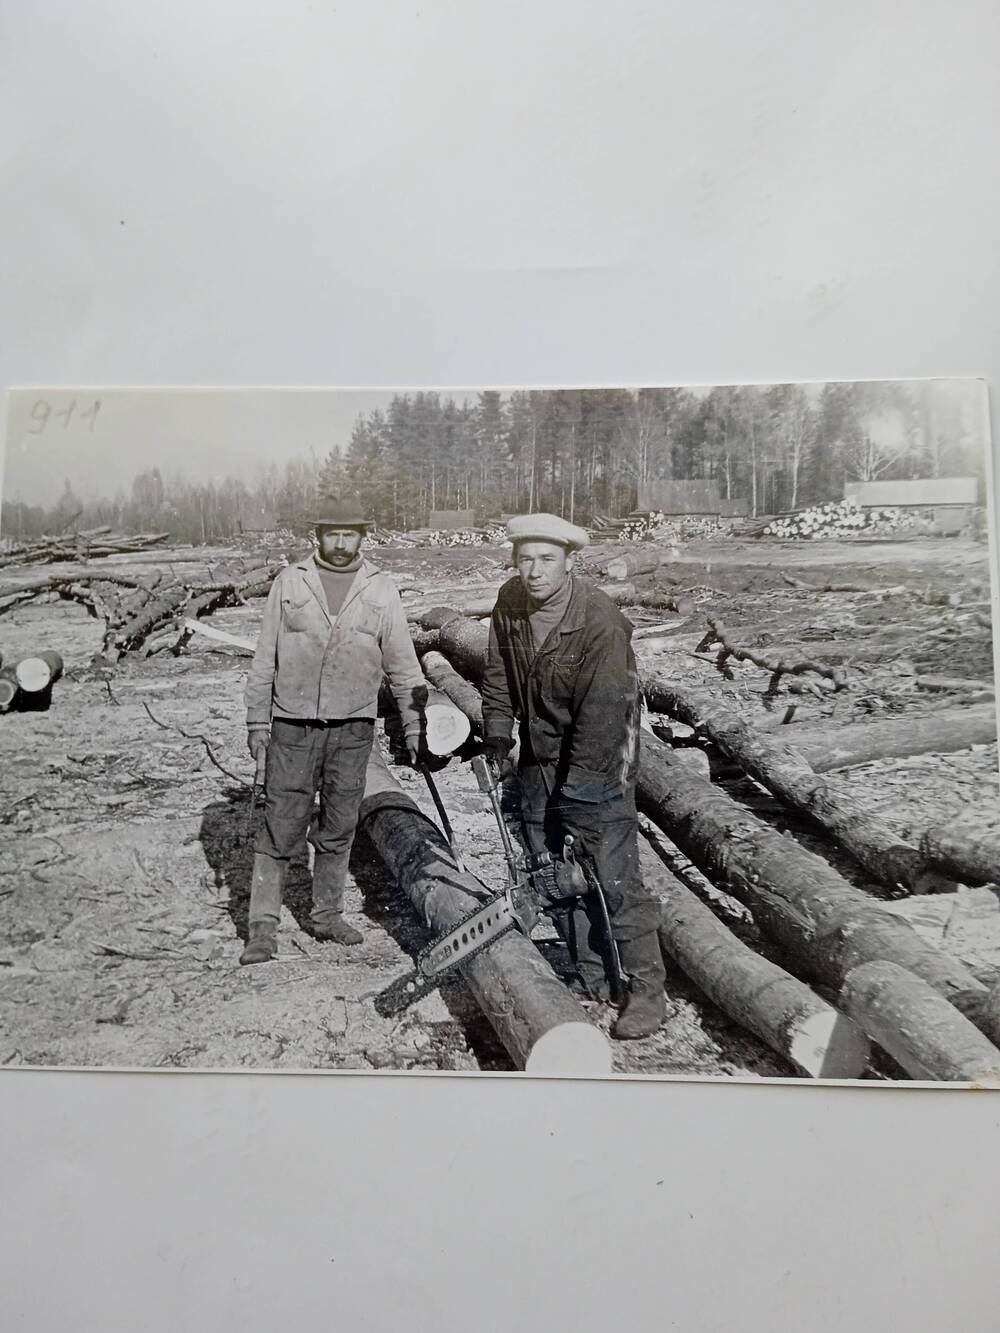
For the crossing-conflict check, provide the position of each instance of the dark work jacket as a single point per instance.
(576, 701)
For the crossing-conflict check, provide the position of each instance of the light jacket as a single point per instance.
(309, 664)
(576, 699)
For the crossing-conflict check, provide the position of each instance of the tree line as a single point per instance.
(579, 453)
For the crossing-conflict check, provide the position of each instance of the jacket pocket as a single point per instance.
(366, 619)
(296, 615)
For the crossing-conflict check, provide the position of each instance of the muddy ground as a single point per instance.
(125, 830)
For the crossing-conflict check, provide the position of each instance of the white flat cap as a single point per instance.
(546, 528)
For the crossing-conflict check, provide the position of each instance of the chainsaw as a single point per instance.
(532, 883)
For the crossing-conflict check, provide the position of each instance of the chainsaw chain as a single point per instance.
(456, 930)
(472, 953)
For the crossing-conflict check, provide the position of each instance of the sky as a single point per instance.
(58, 435)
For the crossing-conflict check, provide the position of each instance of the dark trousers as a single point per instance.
(304, 758)
(606, 833)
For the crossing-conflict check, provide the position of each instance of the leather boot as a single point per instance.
(327, 918)
(262, 943)
(646, 1005)
(266, 887)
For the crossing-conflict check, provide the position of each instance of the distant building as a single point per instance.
(947, 502)
(677, 498)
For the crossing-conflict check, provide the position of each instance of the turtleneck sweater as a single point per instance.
(543, 619)
(337, 582)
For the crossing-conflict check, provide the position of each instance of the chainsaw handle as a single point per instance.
(486, 775)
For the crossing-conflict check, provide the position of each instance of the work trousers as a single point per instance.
(305, 757)
(606, 832)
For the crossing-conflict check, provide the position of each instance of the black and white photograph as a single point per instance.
(601, 731)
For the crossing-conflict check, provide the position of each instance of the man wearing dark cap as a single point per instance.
(332, 625)
(561, 666)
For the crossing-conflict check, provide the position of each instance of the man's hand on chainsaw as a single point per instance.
(497, 751)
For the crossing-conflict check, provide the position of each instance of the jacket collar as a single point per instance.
(576, 612)
(311, 575)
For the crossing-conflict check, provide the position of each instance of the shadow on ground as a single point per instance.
(227, 839)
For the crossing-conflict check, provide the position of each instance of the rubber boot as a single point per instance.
(327, 918)
(266, 887)
(646, 1005)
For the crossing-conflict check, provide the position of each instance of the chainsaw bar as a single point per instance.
(471, 936)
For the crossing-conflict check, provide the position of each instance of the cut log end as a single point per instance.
(447, 728)
(8, 692)
(578, 1049)
(828, 1045)
(35, 674)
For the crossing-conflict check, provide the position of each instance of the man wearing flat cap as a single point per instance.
(332, 625)
(561, 668)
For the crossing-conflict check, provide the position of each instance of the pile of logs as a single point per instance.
(91, 544)
(27, 684)
(147, 614)
(852, 971)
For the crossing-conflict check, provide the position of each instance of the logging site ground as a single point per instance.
(125, 811)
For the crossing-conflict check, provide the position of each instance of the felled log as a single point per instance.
(619, 593)
(475, 610)
(777, 666)
(51, 550)
(630, 563)
(952, 685)
(432, 618)
(922, 1032)
(662, 601)
(131, 606)
(445, 678)
(991, 1011)
(424, 640)
(824, 587)
(657, 631)
(968, 849)
(541, 1026)
(825, 925)
(134, 631)
(787, 774)
(446, 727)
(37, 674)
(219, 635)
(8, 689)
(942, 732)
(758, 995)
(465, 643)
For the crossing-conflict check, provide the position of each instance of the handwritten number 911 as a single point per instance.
(43, 413)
